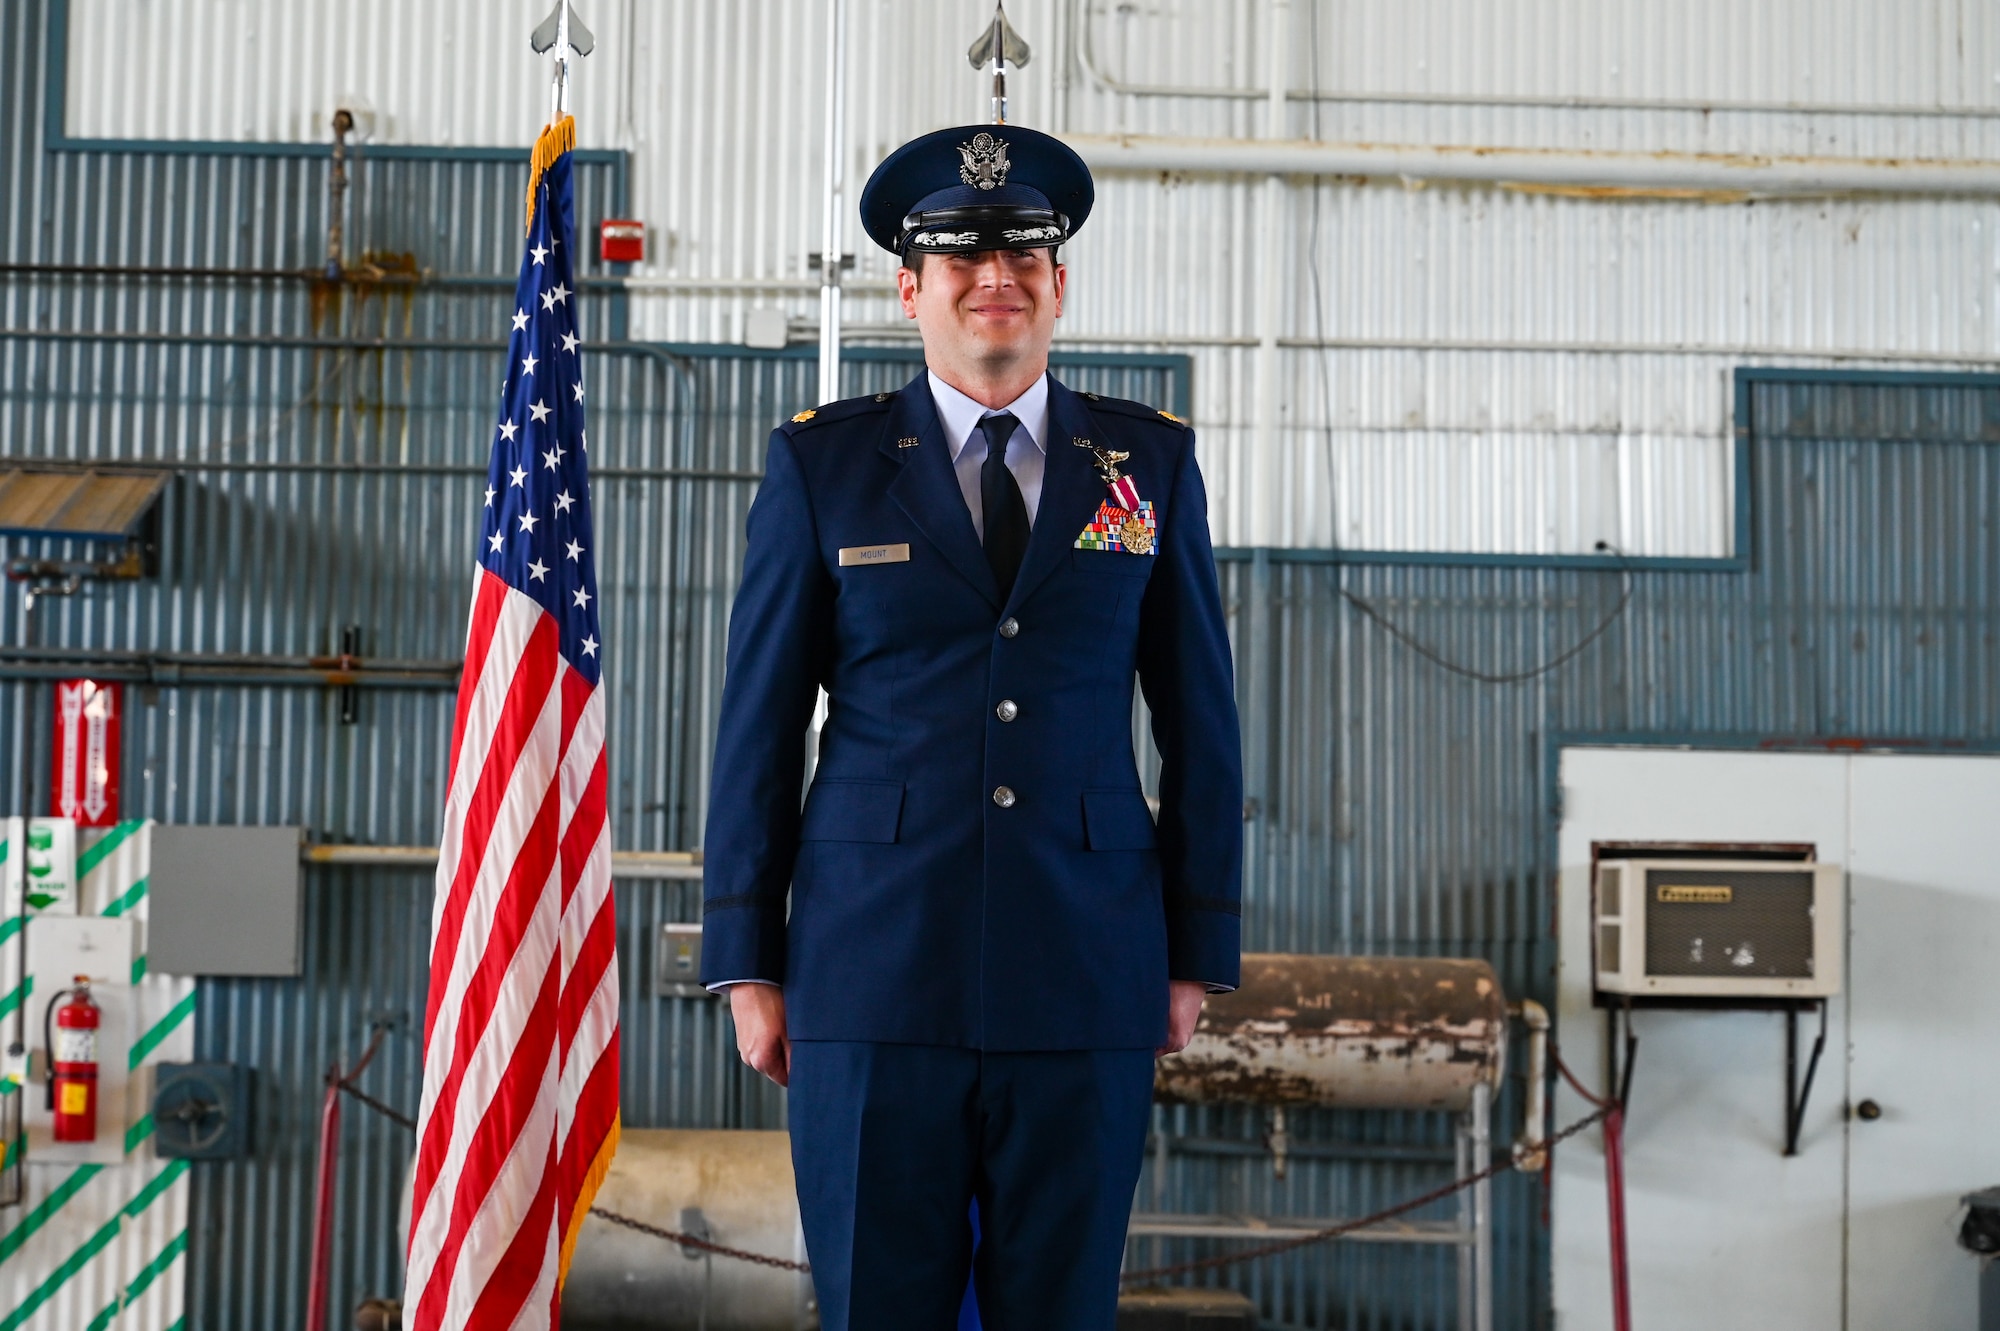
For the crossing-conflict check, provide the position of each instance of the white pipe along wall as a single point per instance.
(1745, 175)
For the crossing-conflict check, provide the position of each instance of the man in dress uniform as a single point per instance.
(989, 936)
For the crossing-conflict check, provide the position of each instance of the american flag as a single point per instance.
(519, 1117)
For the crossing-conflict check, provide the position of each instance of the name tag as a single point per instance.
(851, 555)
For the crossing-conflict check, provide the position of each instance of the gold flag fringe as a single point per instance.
(554, 141)
(600, 1166)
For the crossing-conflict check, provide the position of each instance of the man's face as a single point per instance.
(992, 307)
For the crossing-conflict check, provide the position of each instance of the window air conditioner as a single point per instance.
(1719, 928)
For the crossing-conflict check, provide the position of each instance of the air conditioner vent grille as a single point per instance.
(1756, 925)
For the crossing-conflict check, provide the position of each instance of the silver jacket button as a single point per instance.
(1003, 796)
(1007, 710)
(1009, 627)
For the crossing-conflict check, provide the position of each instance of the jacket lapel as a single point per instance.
(1071, 491)
(926, 487)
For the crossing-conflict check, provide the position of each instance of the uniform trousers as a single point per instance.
(893, 1143)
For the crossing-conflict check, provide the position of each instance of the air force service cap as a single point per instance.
(977, 187)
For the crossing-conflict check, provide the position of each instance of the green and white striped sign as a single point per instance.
(102, 1247)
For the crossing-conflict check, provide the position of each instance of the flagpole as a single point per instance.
(830, 256)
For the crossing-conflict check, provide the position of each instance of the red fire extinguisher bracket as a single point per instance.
(73, 1062)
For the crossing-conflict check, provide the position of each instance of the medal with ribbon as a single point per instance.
(1124, 521)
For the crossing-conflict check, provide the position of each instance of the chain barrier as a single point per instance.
(396, 1116)
(703, 1245)
(1156, 1273)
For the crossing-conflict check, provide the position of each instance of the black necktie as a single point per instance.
(1002, 511)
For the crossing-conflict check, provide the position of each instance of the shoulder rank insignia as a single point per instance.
(808, 414)
(1170, 416)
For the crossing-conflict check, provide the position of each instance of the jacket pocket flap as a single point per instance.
(852, 811)
(1111, 561)
(1117, 820)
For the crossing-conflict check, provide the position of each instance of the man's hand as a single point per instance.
(759, 1010)
(1184, 998)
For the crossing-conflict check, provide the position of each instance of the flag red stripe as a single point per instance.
(521, 1266)
(513, 914)
(596, 1103)
(507, 1113)
(576, 691)
(487, 599)
(600, 948)
(590, 799)
(586, 825)
(527, 695)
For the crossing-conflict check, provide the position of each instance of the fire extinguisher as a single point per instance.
(73, 1062)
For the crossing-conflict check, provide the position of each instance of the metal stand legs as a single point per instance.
(1475, 1215)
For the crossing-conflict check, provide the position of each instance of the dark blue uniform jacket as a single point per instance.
(921, 910)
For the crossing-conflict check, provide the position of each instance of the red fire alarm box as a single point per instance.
(621, 240)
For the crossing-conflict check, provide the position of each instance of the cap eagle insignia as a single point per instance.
(983, 162)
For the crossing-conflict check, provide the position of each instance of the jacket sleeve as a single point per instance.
(1189, 684)
(778, 633)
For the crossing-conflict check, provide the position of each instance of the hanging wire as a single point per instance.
(1365, 606)
(1430, 654)
(1317, 184)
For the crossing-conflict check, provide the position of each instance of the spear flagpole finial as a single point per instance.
(563, 32)
(999, 46)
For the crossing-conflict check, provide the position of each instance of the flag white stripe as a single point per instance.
(526, 788)
(513, 627)
(588, 1042)
(534, 1311)
(525, 791)
(504, 1209)
(593, 1038)
(513, 1006)
(585, 743)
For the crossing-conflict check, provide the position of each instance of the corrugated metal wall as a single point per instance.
(1398, 806)
(1452, 410)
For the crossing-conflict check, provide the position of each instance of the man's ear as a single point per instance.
(1062, 278)
(907, 285)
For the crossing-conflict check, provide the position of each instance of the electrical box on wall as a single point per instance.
(1702, 928)
(677, 962)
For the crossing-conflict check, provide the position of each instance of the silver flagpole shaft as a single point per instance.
(998, 109)
(559, 88)
(836, 149)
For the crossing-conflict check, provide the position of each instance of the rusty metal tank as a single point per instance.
(1345, 1032)
(734, 1187)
